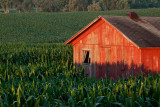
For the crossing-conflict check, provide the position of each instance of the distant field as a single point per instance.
(52, 27)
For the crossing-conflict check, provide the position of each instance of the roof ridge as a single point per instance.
(146, 25)
(150, 28)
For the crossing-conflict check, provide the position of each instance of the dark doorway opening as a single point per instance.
(86, 55)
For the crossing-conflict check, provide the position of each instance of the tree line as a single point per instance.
(75, 5)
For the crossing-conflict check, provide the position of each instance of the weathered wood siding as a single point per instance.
(112, 54)
(151, 59)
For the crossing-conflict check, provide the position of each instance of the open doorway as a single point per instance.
(86, 57)
(86, 61)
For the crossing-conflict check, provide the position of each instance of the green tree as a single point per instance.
(72, 5)
(5, 4)
(106, 4)
(82, 5)
(77, 5)
(95, 6)
(59, 4)
(18, 5)
(14, 3)
(46, 5)
(122, 4)
(27, 5)
(36, 4)
(113, 4)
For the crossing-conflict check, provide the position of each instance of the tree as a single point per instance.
(82, 5)
(46, 5)
(18, 5)
(122, 4)
(95, 6)
(14, 3)
(72, 5)
(27, 5)
(5, 4)
(36, 4)
(106, 4)
(59, 5)
(77, 5)
(113, 4)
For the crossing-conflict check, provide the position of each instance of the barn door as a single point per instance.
(87, 62)
(105, 61)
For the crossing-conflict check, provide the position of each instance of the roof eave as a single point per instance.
(69, 41)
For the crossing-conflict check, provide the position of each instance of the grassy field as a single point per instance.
(52, 27)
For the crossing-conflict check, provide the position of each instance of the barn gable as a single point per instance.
(143, 33)
(70, 41)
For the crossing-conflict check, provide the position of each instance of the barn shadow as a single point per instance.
(114, 70)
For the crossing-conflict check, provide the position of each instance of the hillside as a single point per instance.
(52, 27)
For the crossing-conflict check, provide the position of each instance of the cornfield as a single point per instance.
(53, 27)
(44, 75)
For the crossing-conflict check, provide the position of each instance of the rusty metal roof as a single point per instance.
(144, 33)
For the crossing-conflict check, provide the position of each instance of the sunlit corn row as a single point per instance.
(44, 75)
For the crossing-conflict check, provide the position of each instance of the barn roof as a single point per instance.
(144, 32)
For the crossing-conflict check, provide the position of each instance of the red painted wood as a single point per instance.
(151, 59)
(112, 54)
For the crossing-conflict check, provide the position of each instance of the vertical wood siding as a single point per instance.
(151, 59)
(112, 54)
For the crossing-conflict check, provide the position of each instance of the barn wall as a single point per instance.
(151, 59)
(111, 53)
(121, 54)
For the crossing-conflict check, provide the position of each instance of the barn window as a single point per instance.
(87, 57)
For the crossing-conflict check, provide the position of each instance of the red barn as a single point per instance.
(116, 46)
